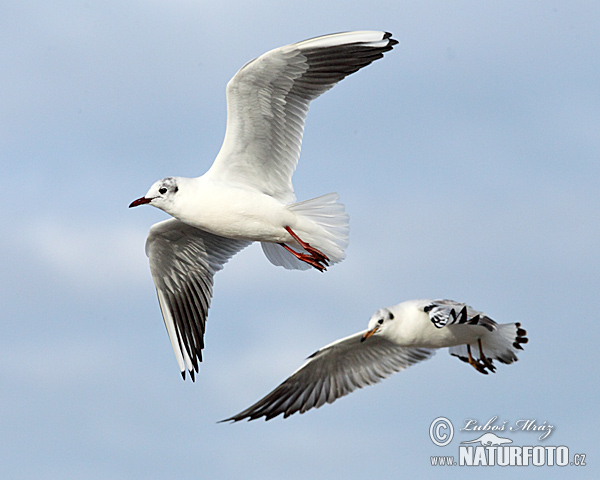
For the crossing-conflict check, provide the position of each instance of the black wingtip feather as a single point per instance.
(230, 420)
(192, 375)
(392, 41)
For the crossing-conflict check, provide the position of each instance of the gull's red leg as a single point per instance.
(486, 361)
(305, 258)
(476, 365)
(317, 255)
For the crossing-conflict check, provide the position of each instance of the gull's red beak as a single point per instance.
(369, 333)
(140, 201)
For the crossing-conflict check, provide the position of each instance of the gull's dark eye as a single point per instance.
(162, 190)
(380, 321)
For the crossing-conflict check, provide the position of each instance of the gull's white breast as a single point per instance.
(233, 212)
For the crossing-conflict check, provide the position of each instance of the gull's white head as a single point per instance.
(161, 195)
(379, 323)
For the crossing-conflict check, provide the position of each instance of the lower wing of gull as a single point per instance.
(268, 100)
(332, 372)
(183, 261)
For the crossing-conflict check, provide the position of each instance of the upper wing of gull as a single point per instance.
(267, 103)
(183, 261)
(443, 313)
(334, 371)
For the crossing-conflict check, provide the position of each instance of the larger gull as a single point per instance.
(396, 338)
(247, 193)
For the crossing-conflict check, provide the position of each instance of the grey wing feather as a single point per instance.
(332, 372)
(183, 261)
(268, 100)
(443, 313)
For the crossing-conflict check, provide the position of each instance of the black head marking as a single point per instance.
(168, 184)
(386, 316)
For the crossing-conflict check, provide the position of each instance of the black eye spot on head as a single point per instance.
(162, 190)
(391, 316)
(380, 321)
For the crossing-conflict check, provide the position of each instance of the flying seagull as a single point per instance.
(396, 338)
(247, 195)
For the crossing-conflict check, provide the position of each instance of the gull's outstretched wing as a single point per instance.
(267, 103)
(334, 371)
(183, 261)
(443, 313)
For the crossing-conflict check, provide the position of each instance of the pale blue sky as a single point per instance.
(468, 159)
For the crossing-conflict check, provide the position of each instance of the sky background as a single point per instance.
(468, 160)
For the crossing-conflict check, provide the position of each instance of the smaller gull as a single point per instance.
(396, 338)
(247, 195)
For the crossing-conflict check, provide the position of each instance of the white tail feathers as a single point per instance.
(323, 224)
(500, 344)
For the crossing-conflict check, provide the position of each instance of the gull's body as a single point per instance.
(247, 194)
(233, 212)
(416, 328)
(396, 338)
